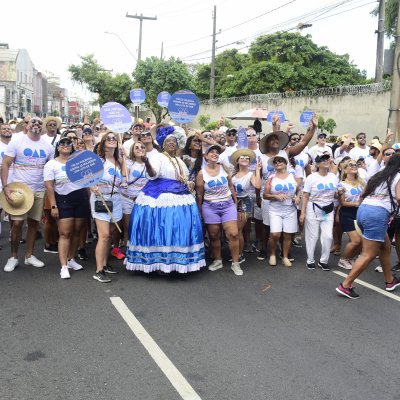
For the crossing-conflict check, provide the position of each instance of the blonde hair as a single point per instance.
(131, 155)
(357, 177)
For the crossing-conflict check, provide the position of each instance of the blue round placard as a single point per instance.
(116, 117)
(163, 99)
(84, 168)
(280, 114)
(137, 96)
(305, 118)
(183, 106)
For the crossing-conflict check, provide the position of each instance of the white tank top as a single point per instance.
(216, 188)
(242, 185)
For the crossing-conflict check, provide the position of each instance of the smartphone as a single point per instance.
(148, 119)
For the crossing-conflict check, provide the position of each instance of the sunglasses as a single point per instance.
(138, 128)
(87, 133)
(361, 137)
(52, 124)
(251, 134)
(69, 144)
(295, 139)
(231, 134)
(196, 141)
(36, 121)
(207, 136)
(278, 161)
(352, 165)
(111, 139)
(80, 144)
(389, 154)
(97, 128)
(145, 134)
(244, 158)
(26, 122)
(72, 137)
(139, 148)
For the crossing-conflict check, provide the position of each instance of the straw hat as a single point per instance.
(21, 196)
(57, 120)
(376, 143)
(242, 152)
(283, 141)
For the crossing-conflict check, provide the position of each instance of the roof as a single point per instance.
(7, 55)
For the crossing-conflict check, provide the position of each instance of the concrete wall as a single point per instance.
(352, 113)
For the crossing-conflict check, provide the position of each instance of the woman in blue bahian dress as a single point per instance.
(165, 232)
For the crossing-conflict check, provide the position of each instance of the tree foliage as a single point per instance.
(279, 62)
(97, 80)
(155, 75)
(391, 8)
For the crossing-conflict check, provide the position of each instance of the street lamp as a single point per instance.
(127, 48)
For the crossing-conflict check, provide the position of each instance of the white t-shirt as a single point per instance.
(302, 160)
(137, 179)
(225, 157)
(322, 189)
(53, 140)
(127, 145)
(3, 148)
(55, 171)
(357, 152)
(342, 154)
(285, 186)
(242, 185)
(351, 193)
(30, 156)
(381, 197)
(268, 170)
(108, 184)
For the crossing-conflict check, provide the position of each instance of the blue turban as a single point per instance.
(162, 133)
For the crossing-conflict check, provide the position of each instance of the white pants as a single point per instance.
(312, 226)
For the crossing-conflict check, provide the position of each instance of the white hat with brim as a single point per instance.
(242, 152)
(22, 199)
(283, 140)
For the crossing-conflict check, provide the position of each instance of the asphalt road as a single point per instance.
(274, 333)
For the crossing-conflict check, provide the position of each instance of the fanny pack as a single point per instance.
(99, 206)
(326, 209)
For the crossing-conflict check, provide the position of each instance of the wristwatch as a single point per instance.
(53, 207)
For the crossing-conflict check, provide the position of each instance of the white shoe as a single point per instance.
(11, 264)
(378, 269)
(272, 261)
(215, 265)
(74, 265)
(345, 264)
(64, 273)
(32, 260)
(235, 267)
(286, 262)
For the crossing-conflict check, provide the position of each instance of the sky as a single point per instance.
(55, 34)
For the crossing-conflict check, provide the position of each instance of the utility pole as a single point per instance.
(380, 42)
(140, 18)
(212, 74)
(394, 110)
(162, 50)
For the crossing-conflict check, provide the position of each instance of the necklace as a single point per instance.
(179, 172)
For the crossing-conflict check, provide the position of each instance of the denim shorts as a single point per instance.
(373, 222)
(219, 212)
(245, 205)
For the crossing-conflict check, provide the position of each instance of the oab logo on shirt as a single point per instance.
(40, 153)
(325, 186)
(284, 188)
(111, 171)
(217, 182)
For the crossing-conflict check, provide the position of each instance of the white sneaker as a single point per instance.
(235, 267)
(215, 265)
(74, 265)
(286, 262)
(11, 264)
(64, 273)
(378, 269)
(32, 260)
(272, 261)
(345, 264)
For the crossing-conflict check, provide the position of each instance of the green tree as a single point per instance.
(154, 75)
(97, 80)
(391, 8)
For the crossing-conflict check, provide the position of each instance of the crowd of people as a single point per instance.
(168, 196)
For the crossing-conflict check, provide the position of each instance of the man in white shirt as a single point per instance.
(361, 150)
(346, 145)
(320, 148)
(230, 148)
(29, 154)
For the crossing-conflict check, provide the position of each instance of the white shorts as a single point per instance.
(127, 205)
(117, 208)
(265, 212)
(283, 222)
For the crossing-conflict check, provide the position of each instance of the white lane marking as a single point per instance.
(178, 381)
(369, 286)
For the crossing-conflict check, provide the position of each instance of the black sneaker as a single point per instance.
(324, 267)
(82, 255)
(101, 277)
(22, 241)
(296, 243)
(347, 292)
(52, 248)
(109, 269)
(310, 266)
(262, 255)
(393, 285)
(396, 268)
